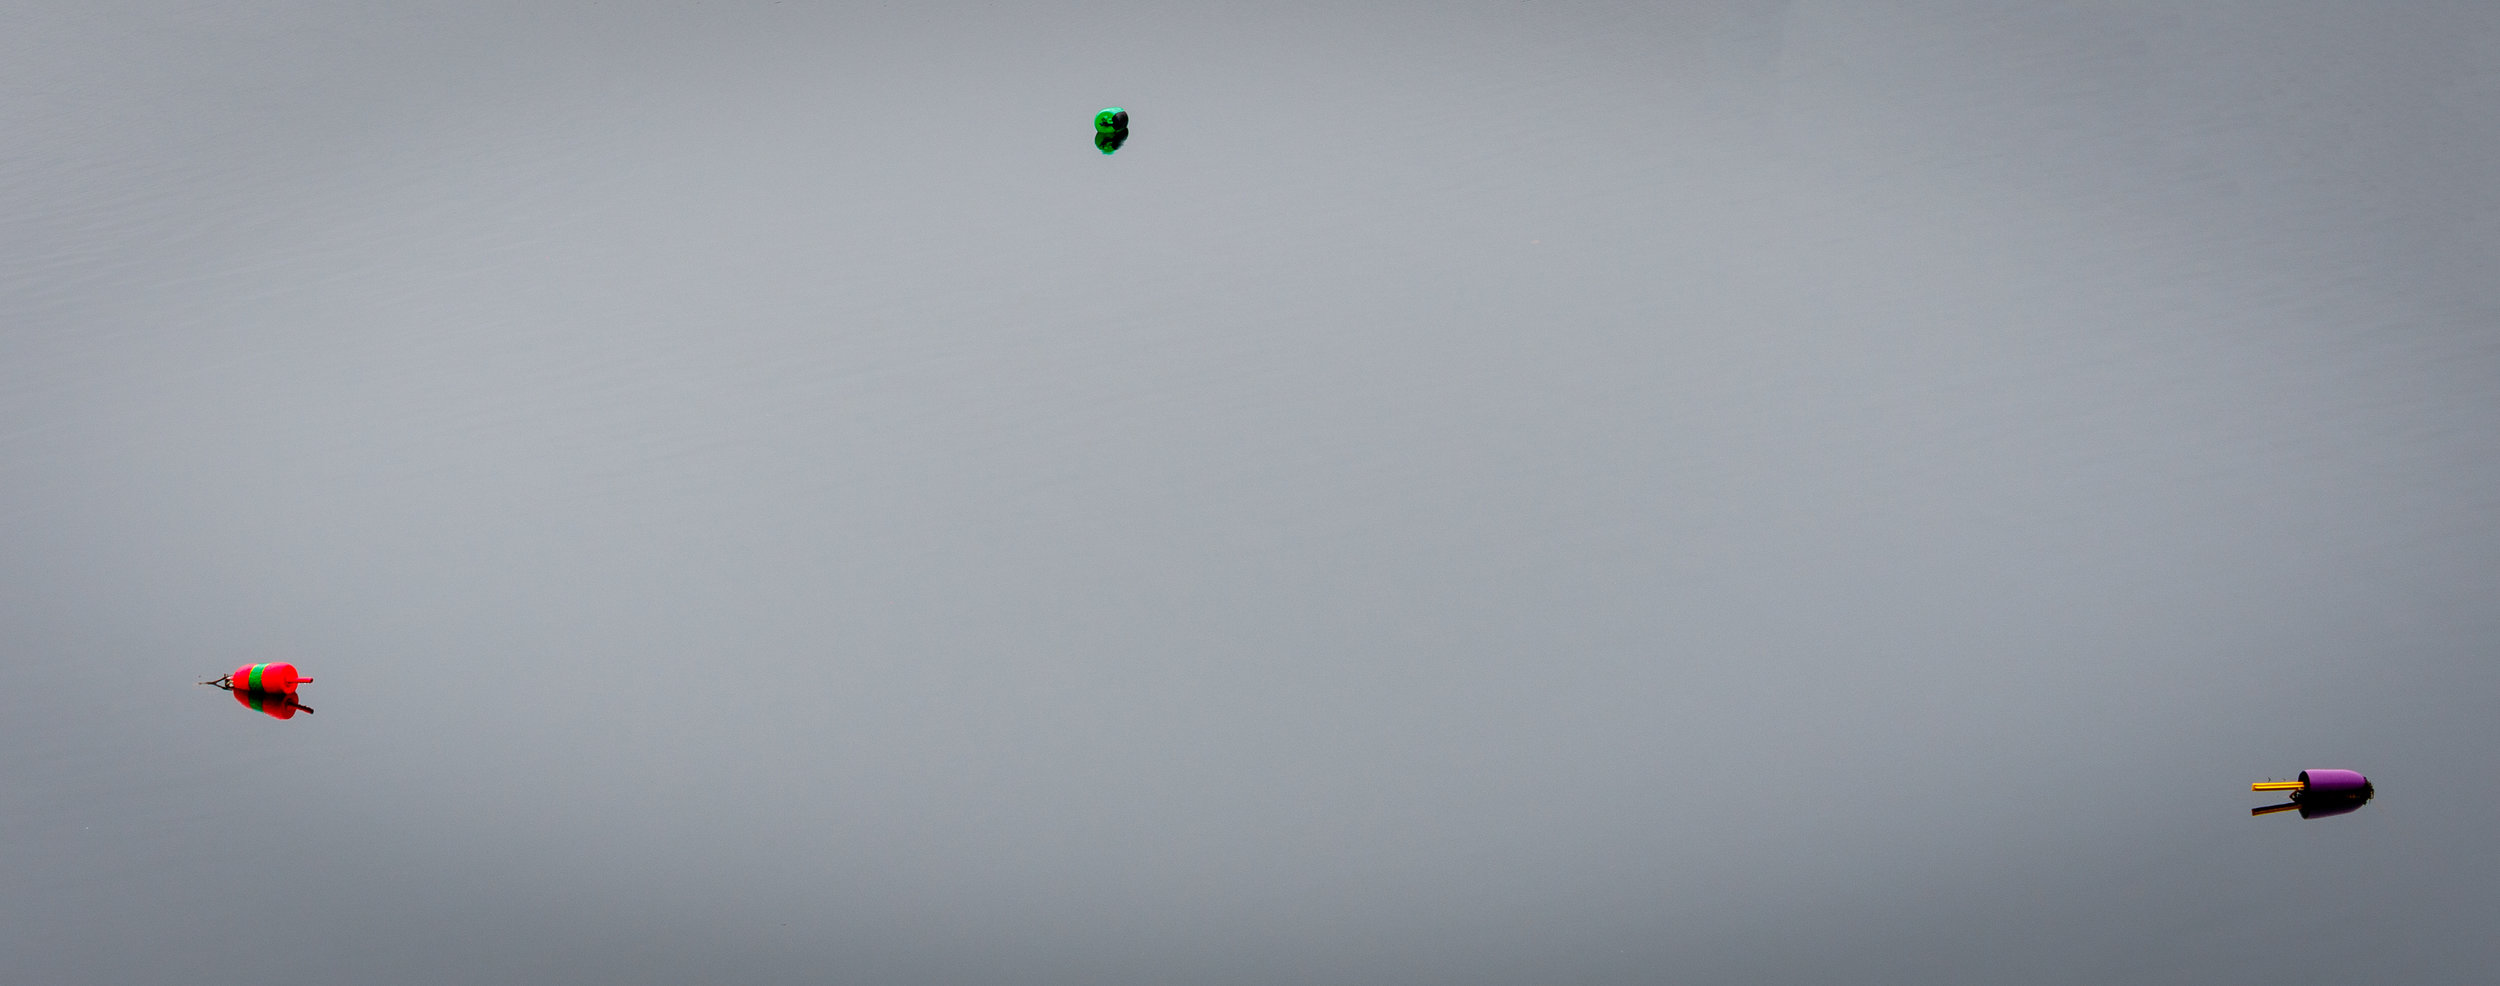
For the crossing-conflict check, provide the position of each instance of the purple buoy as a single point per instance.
(2332, 782)
(2319, 793)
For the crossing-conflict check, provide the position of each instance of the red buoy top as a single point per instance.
(278, 678)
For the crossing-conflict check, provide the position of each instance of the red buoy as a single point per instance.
(268, 689)
(278, 677)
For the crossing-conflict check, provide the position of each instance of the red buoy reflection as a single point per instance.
(276, 705)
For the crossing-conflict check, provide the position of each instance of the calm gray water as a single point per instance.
(1489, 493)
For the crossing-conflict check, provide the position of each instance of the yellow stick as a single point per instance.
(2276, 786)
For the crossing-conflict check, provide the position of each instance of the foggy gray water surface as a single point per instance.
(1480, 493)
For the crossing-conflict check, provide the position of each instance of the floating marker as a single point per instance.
(2319, 793)
(1110, 129)
(268, 689)
(279, 677)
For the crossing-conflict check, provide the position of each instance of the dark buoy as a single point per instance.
(1110, 129)
(2319, 793)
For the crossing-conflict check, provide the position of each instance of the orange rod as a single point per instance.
(2276, 786)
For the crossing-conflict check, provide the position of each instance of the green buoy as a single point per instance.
(1110, 129)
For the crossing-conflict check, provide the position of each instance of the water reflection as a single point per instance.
(2319, 793)
(276, 705)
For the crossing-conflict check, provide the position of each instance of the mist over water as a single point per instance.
(1545, 492)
